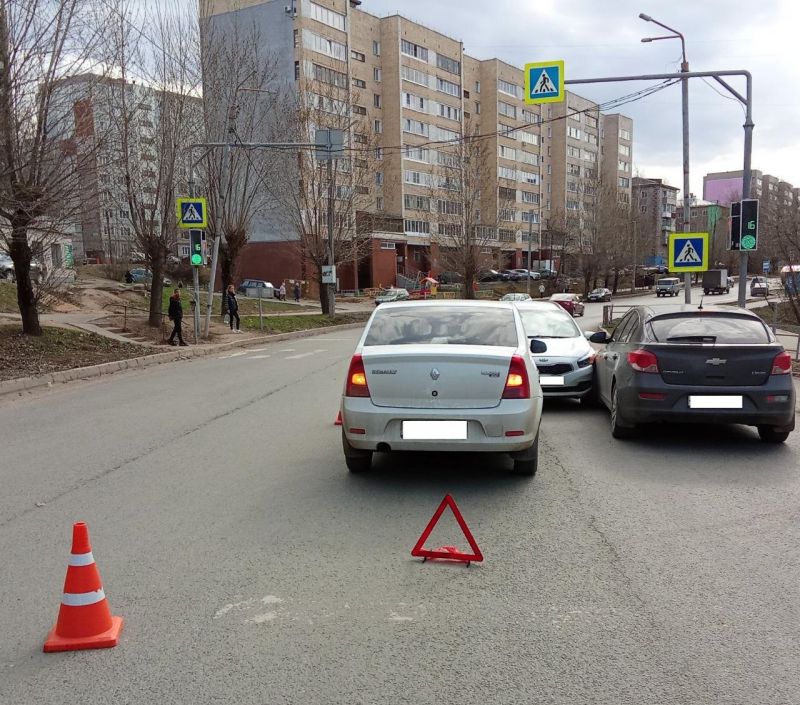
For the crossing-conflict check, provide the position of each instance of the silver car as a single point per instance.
(562, 354)
(442, 376)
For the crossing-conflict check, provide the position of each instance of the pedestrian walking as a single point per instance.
(541, 291)
(233, 308)
(297, 292)
(175, 313)
(282, 291)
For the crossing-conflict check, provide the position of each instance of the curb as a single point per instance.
(23, 384)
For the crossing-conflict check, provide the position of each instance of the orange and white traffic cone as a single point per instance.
(84, 619)
(338, 421)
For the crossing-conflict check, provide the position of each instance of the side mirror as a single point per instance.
(588, 334)
(538, 346)
(600, 337)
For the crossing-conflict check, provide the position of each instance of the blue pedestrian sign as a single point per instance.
(544, 82)
(192, 212)
(688, 252)
(766, 266)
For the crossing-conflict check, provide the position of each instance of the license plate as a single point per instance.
(551, 381)
(435, 430)
(726, 402)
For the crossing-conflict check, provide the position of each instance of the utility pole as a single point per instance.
(530, 237)
(195, 270)
(331, 260)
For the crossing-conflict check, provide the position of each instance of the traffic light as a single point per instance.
(196, 248)
(749, 239)
(736, 225)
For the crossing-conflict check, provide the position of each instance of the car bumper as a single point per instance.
(486, 428)
(757, 408)
(577, 383)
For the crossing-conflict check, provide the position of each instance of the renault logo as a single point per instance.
(434, 374)
(716, 361)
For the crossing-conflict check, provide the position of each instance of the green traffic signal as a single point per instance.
(197, 260)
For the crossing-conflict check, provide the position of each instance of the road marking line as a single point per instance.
(287, 350)
(236, 354)
(302, 355)
(258, 349)
(258, 357)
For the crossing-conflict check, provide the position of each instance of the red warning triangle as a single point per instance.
(447, 552)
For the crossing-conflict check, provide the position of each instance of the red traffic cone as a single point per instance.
(338, 421)
(84, 619)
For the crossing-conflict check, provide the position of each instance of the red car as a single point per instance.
(569, 302)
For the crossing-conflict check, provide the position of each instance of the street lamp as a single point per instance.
(685, 112)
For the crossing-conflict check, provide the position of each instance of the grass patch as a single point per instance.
(289, 324)
(56, 349)
(785, 320)
(8, 298)
(247, 307)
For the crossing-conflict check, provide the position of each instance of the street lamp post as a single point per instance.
(685, 119)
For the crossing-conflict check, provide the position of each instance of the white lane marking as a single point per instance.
(236, 354)
(271, 600)
(394, 617)
(266, 617)
(258, 357)
(302, 355)
(232, 605)
(258, 349)
(287, 350)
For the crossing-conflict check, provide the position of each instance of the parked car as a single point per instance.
(569, 302)
(599, 295)
(526, 274)
(444, 376)
(759, 286)
(547, 273)
(491, 275)
(559, 349)
(510, 275)
(668, 286)
(450, 278)
(270, 292)
(515, 296)
(393, 294)
(6, 267)
(714, 365)
(140, 275)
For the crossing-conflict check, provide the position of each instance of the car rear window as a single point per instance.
(722, 329)
(549, 323)
(443, 325)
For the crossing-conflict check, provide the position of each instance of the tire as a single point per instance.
(530, 464)
(357, 461)
(705, 291)
(769, 434)
(617, 430)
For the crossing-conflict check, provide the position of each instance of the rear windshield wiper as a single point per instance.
(693, 338)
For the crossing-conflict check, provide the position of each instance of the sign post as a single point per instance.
(192, 214)
(329, 146)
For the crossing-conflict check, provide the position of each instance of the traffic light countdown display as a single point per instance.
(196, 248)
(744, 225)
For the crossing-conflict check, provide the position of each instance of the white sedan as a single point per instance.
(442, 376)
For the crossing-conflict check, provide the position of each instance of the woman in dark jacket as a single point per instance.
(175, 313)
(233, 307)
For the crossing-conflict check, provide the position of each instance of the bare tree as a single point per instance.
(41, 42)
(301, 186)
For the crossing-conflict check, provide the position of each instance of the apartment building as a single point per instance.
(616, 158)
(420, 93)
(655, 203)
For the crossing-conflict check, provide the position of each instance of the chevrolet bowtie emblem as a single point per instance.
(717, 361)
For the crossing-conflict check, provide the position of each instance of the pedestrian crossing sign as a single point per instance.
(688, 252)
(192, 213)
(544, 82)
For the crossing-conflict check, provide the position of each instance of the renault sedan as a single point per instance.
(451, 376)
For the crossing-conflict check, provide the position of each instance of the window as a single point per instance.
(450, 229)
(443, 135)
(506, 235)
(449, 207)
(508, 214)
(624, 134)
(417, 226)
(509, 88)
(507, 194)
(507, 109)
(591, 120)
(507, 152)
(376, 48)
(575, 114)
(415, 127)
(376, 100)
(418, 203)
(466, 93)
(449, 112)
(376, 75)
(420, 178)
(572, 187)
(506, 172)
(574, 152)
(447, 159)
(528, 217)
(359, 138)
(625, 150)
(377, 126)
(417, 154)
(378, 153)
(574, 132)
(409, 74)
(477, 108)
(296, 70)
(477, 86)
(329, 76)
(450, 183)
(415, 50)
(530, 117)
(573, 205)
(528, 158)
(357, 55)
(623, 182)
(379, 178)
(529, 177)
(589, 156)
(573, 169)
(296, 36)
(324, 15)
(590, 138)
(387, 246)
(358, 83)
(322, 45)
(448, 87)
(449, 65)
(625, 198)
(415, 102)
(623, 166)
(360, 163)
(505, 130)
(529, 197)
(528, 137)
(359, 110)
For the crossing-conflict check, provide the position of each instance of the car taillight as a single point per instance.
(517, 383)
(782, 364)
(357, 379)
(643, 361)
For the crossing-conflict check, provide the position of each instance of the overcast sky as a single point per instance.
(602, 38)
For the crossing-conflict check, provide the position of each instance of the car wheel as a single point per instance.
(529, 464)
(705, 291)
(617, 429)
(355, 459)
(769, 434)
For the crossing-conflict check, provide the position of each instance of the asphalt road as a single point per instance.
(251, 568)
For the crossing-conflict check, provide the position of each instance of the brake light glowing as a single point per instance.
(643, 361)
(782, 364)
(517, 383)
(357, 379)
